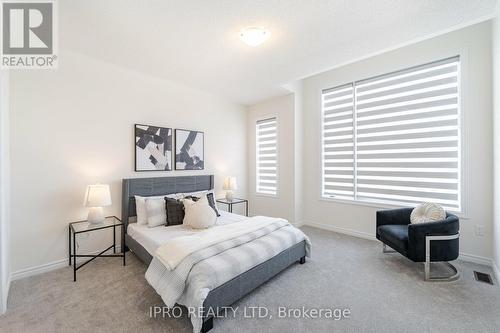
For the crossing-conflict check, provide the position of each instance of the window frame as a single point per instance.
(463, 134)
(256, 164)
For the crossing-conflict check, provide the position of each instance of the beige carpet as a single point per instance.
(384, 292)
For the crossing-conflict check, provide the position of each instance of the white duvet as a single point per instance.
(201, 263)
(152, 238)
(175, 250)
(198, 273)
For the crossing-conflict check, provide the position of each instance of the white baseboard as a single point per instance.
(360, 234)
(298, 224)
(23, 273)
(351, 232)
(476, 259)
(26, 272)
(345, 231)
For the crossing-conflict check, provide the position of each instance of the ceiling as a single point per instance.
(196, 43)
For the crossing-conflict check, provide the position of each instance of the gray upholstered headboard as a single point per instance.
(159, 186)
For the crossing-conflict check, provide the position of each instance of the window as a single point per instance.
(267, 156)
(394, 138)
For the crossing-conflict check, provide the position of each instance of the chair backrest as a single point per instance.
(451, 217)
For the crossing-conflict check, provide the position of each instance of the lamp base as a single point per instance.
(229, 196)
(96, 215)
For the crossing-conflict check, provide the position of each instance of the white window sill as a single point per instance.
(275, 196)
(462, 216)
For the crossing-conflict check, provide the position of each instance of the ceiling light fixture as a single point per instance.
(254, 36)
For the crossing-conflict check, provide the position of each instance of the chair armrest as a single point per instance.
(393, 216)
(442, 250)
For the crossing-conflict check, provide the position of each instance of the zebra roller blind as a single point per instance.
(395, 138)
(267, 156)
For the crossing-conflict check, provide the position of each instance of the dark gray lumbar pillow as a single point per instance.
(175, 211)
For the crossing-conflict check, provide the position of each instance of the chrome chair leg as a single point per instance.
(427, 263)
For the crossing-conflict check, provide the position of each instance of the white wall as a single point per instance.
(4, 192)
(474, 46)
(299, 177)
(74, 126)
(496, 116)
(283, 204)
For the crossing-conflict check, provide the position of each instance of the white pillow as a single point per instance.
(427, 212)
(197, 194)
(140, 210)
(140, 206)
(200, 194)
(198, 214)
(156, 211)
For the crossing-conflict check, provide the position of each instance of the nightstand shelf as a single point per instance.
(80, 227)
(234, 202)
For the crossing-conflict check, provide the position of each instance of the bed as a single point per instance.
(143, 242)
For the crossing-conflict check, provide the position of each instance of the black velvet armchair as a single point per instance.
(422, 242)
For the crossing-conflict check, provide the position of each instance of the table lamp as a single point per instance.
(96, 197)
(230, 185)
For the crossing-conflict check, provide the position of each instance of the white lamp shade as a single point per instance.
(230, 184)
(97, 196)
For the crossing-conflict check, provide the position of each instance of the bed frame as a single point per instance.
(229, 292)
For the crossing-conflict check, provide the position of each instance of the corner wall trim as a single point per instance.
(496, 271)
(360, 234)
(5, 296)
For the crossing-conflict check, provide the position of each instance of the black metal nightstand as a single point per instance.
(79, 227)
(234, 201)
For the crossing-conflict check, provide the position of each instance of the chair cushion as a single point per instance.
(395, 235)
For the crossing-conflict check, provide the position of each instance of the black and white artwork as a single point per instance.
(189, 150)
(153, 148)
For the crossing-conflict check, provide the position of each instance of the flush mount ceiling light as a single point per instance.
(254, 36)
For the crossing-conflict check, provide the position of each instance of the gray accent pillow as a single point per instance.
(211, 203)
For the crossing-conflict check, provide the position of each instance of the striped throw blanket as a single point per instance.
(190, 281)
